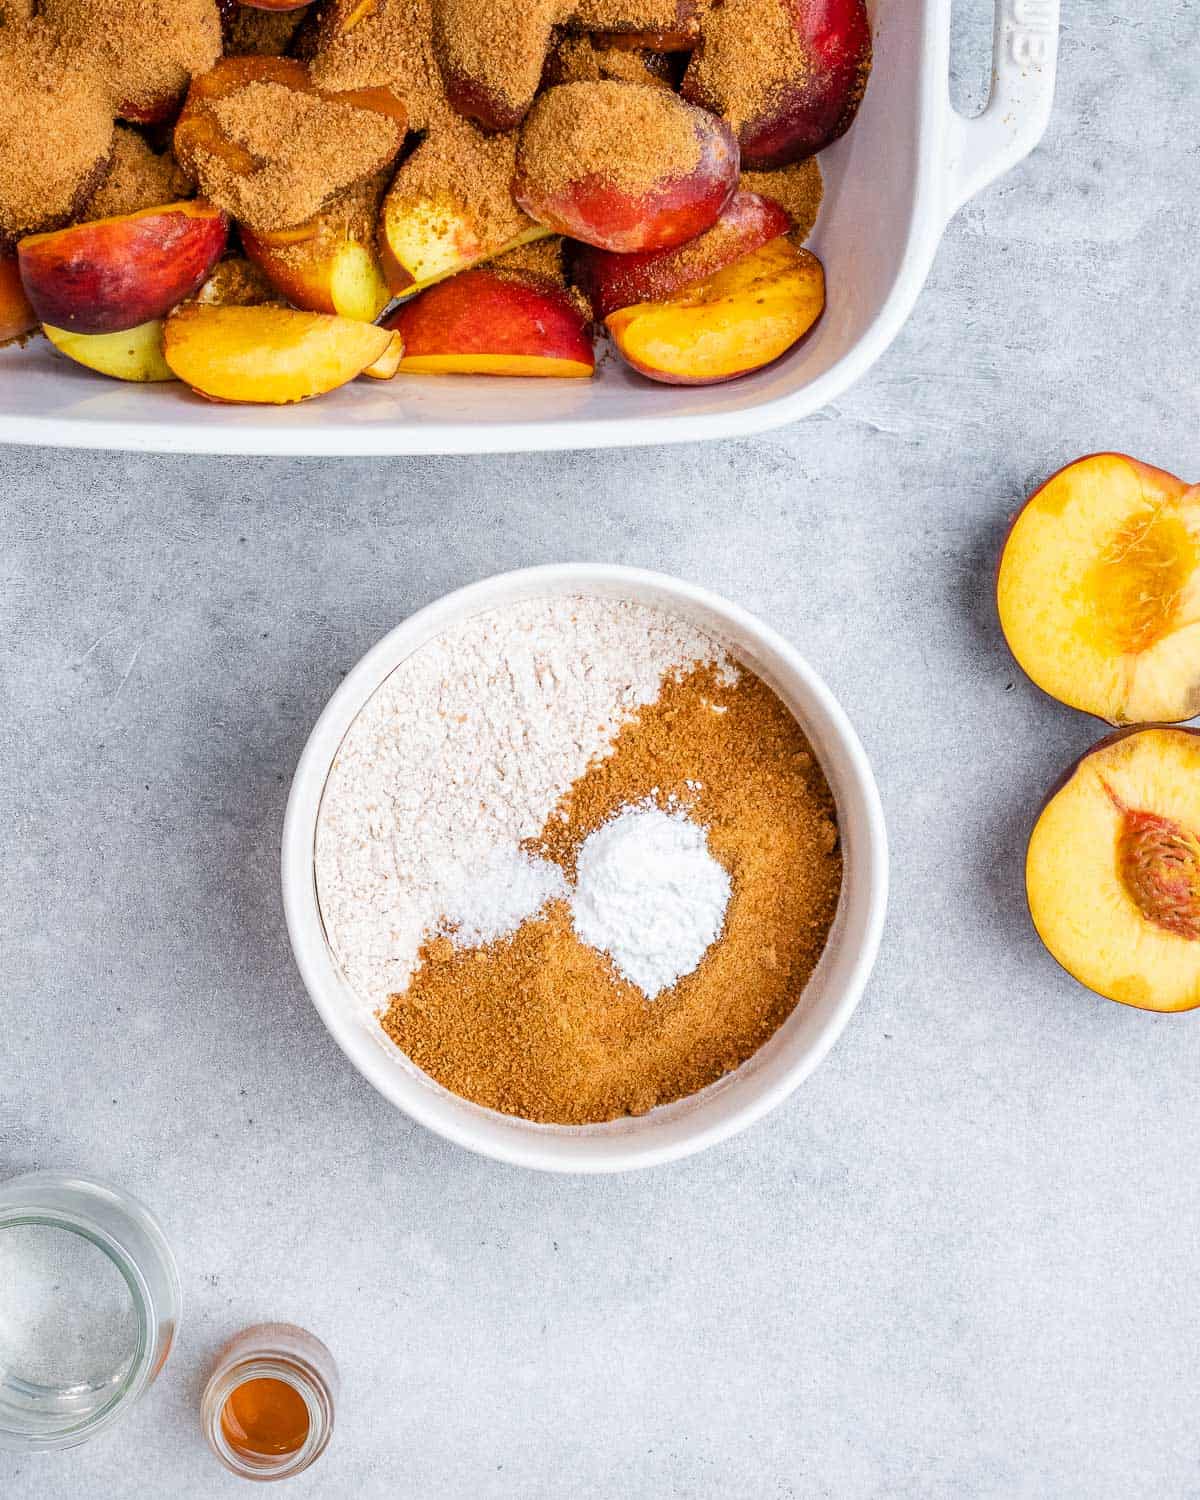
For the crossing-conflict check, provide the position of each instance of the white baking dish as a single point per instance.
(733, 1102)
(891, 185)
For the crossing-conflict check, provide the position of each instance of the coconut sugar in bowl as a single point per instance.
(389, 978)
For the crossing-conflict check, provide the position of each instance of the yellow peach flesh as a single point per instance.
(735, 321)
(495, 364)
(1112, 867)
(273, 355)
(1099, 591)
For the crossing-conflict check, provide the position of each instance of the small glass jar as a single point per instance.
(274, 1354)
(89, 1307)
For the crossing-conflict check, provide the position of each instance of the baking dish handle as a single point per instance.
(1024, 56)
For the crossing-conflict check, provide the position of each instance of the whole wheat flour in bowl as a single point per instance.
(576, 859)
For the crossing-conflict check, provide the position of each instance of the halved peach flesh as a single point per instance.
(1113, 870)
(738, 320)
(1099, 590)
(272, 355)
(134, 354)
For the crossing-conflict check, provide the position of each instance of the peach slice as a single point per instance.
(330, 264)
(17, 317)
(427, 231)
(1099, 590)
(610, 281)
(494, 323)
(820, 53)
(388, 362)
(134, 354)
(272, 355)
(109, 275)
(742, 318)
(601, 197)
(1113, 870)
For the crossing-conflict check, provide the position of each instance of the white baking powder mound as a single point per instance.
(461, 756)
(650, 895)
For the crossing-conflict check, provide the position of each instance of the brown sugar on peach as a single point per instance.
(272, 149)
(138, 178)
(362, 44)
(145, 52)
(56, 133)
(797, 188)
(623, 166)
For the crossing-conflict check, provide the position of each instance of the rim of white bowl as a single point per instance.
(732, 1103)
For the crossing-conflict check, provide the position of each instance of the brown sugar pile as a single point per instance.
(385, 44)
(632, 136)
(750, 49)
(138, 178)
(144, 51)
(578, 59)
(797, 188)
(542, 1026)
(297, 149)
(56, 132)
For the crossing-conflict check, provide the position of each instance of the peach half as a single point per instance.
(1113, 869)
(270, 355)
(738, 320)
(110, 275)
(1099, 590)
(494, 323)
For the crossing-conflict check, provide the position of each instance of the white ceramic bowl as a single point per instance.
(733, 1102)
(891, 185)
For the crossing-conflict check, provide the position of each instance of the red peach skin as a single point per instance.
(818, 91)
(611, 281)
(112, 274)
(488, 322)
(674, 209)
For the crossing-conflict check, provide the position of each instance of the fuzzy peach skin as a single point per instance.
(1112, 872)
(268, 355)
(822, 74)
(494, 323)
(113, 274)
(600, 212)
(1098, 590)
(737, 321)
(135, 354)
(17, 317)
(610, 282)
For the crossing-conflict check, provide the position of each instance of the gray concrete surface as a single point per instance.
(962, 1261)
